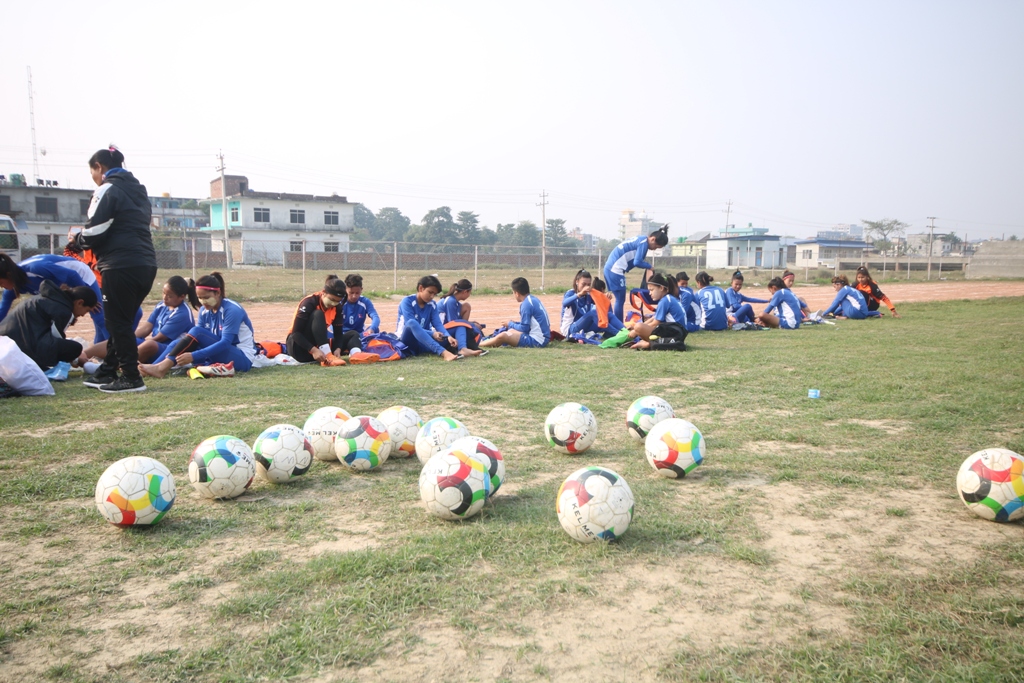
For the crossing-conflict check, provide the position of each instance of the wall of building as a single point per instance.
(997, 259)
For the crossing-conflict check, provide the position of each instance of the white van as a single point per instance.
(9, 238)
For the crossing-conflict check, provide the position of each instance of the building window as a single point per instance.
(47, 205)
(261, 215)
(729, 250)
(331, 218)
(295, 246)
(83, 206)
(5, 204)
(758, 253)
(331, 246)
(297, 216)
(234, 214)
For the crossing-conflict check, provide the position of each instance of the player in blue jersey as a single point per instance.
(599, 321)
(785, 305)
(669, 317)
(353, 314)
(737, 304)
(26, 277)
(171, 318)
(789, 278)
(849, 303)
(627, 256)
(455, 310)
(577, 301)
(419, 322)
(683, 282)
(533, 329)
(713, 315)
(222, 341)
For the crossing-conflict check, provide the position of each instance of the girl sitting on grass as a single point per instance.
(738, 308)
(309, 340)
(354, 313)
(849, 303)
(577, 301)
(455, 310)
(419, 322)
(221, 342)
(785, 304)
(533, 329)
(712, 304)
(33, 324)
(872, 294)
(669, 317)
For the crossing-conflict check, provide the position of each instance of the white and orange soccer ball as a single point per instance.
(454, 485)
(282, 453)
(322, 427)
(594, 504)
(135, 491)
(363, 443)
(674, 448)
(403, 425)
(991, 484)
(488, 454)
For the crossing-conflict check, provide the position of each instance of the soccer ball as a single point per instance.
(403, 426)
(594, 503)
(674, 448)
(454, 485)
(221, 467)
(991, 484)
(135, 491)
(646, 412)
(487, 453)
(282, 453)
(436, 435)
(321, 427)
(571, 428)
(363, 443)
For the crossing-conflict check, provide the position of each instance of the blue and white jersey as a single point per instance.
(734, 299)
(670, 310)
(533, 320)
(574, 307)
(850, 301)
(449, 309)
(427, 316)
(354, 316)
(61, 270)
(788, 307)
(231, 323)
(627, 256)
(691, 308)
(712, 308)
(171, 322)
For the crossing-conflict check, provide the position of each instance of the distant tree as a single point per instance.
(1013, 238)
(390, 225)
(526, 234)
(467, 227)
(439, 227)
(606, 246)
(505, 233)
(882, 232)
(488, 236)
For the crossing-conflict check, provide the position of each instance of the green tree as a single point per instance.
(439, 227)
(467, 226)
(390, 225)
(882, 233)
(526, 234)
(364, 223)
(505, 233)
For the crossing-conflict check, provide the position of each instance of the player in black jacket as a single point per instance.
(118, 234)
(38, 325)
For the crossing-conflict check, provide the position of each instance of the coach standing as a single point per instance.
(118, 233)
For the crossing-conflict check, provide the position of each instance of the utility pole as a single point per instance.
(728, 210)
(931, 237)
(543, 234)
(224, 214)
(32, 121)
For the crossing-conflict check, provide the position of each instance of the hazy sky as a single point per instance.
(804, 114)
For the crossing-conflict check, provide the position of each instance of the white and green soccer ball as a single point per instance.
(436, 435)
(571, 427)
(222, 467)
(404, 426)
(322, 427)
(674, 448)
(363, 443)
(594, 504)
(454, 485)
(488, 454)
(991, 484)
(644, 413)
(282, 453)
(135, 491)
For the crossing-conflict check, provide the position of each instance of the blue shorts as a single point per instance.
(615, 282)
(528, 342)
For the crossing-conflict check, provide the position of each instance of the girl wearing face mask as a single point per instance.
(221, 343)
(308, 338)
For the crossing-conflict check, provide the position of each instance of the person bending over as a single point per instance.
(39, 325)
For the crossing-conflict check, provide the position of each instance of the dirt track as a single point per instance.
(271, 320)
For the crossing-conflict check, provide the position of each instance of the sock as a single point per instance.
(326, 348)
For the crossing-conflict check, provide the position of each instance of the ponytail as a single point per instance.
(777, 283)
(107, 158)
(183, 287)
(213, 281)
(666, 282)
(703, 279)
(661, 236)
(9, 270)
(462, 285)
(737, 276)
(581, 273)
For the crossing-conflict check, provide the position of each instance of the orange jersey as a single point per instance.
(88, 258)
(871, 293)
(601, 305)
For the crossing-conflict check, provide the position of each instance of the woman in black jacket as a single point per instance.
(38, 325)
(118, 233)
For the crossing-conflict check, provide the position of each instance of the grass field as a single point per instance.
(821, 540)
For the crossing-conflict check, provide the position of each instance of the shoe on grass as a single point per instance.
(123, 385)
(96, 381)
(357, 357)
(620, 338)
(332, 361)
(217, 369)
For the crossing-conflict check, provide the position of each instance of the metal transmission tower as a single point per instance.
(543, 234)
(931, 237)
(32, 121)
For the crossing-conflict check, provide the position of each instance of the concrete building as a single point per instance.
(820, 253)
(842, 231)
(43, 213)
(917, 245)
(632, 224)
(267, 224)
(588, 241)
(694, 245)
(754, 251)
(174, 212)
(748, 231)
